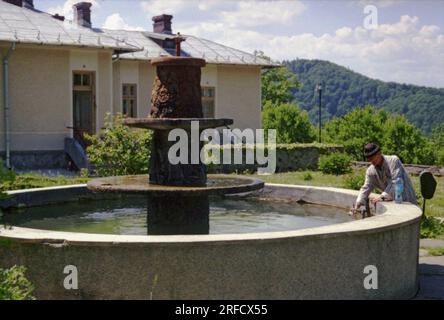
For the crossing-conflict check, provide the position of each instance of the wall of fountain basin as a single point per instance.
(325, 262)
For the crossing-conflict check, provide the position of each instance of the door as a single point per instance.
(83, 106)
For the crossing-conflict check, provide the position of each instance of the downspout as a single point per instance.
(6, 104)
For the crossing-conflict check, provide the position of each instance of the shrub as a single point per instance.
(14, 285)
(307, 176)
(119, 150)
(291, 123)
(354, 180)
(6, 178)
(431, 227)
(335, 163)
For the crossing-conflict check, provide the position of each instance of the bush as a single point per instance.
(354, 180)
(307, 176)
(119, 150)
(6, 178)
(335, 163)
(14, 285)
(291, 123)
(431, 227)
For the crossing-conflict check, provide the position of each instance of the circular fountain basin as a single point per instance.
(216, 184)
(321, 262)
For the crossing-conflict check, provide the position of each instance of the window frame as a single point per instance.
(128, 97)
(211, 98)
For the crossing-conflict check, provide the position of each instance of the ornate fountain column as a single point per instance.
(176, 94)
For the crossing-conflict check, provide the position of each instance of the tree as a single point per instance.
(355, 129)
(277, 84)
(291, 123)
(346, 90)
(438, 143)
(406, 141)
(395, 134)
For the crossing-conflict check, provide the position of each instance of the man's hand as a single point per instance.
(355, 209)
(376, 199)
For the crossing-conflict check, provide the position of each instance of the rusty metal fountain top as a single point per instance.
(178, 200)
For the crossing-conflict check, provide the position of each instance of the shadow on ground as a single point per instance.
(431, 277)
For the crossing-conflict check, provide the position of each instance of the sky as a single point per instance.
(390, 40)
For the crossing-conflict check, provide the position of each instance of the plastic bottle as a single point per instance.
(399, 189)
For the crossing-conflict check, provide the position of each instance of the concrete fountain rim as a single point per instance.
(134, 184)
(392, 215)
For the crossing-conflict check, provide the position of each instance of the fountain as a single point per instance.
(178, 194)
(264, 251)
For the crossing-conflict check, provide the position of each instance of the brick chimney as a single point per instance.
(162, 24)
(29, 4)
(22, 3)
(82, 14)
(58, 17)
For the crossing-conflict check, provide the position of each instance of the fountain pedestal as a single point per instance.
(171, 215)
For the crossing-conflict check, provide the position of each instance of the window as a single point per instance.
(208, 102)
(129, 100)
(82, 81)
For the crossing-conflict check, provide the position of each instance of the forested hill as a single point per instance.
(345, 90)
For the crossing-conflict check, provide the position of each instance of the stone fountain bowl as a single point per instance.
(216, 185)
(175, 123)
(328, 262)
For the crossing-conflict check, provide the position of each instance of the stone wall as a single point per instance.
(33, 160)
(289, 157)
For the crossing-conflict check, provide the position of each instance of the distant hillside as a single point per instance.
(345, 90)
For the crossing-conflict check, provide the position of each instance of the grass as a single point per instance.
(432, 251)
(29, 181)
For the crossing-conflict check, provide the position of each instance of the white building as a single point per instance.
(60, 78)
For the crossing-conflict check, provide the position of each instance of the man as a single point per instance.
(382, 174)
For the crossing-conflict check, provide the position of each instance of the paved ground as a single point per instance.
(431, 272)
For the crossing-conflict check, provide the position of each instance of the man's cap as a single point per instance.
(371, 149)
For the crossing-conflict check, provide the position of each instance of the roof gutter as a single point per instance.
(6, 104)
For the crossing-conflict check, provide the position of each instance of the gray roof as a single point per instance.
(23, 25)
(212, 52)
(137, 38)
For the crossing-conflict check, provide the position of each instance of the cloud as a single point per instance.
(116, 22)
(256, 13)
(157, 7)
(379, 3)
(66, 8)
(403, 51)
(245, 13)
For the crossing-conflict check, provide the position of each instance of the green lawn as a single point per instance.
(29, 181)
